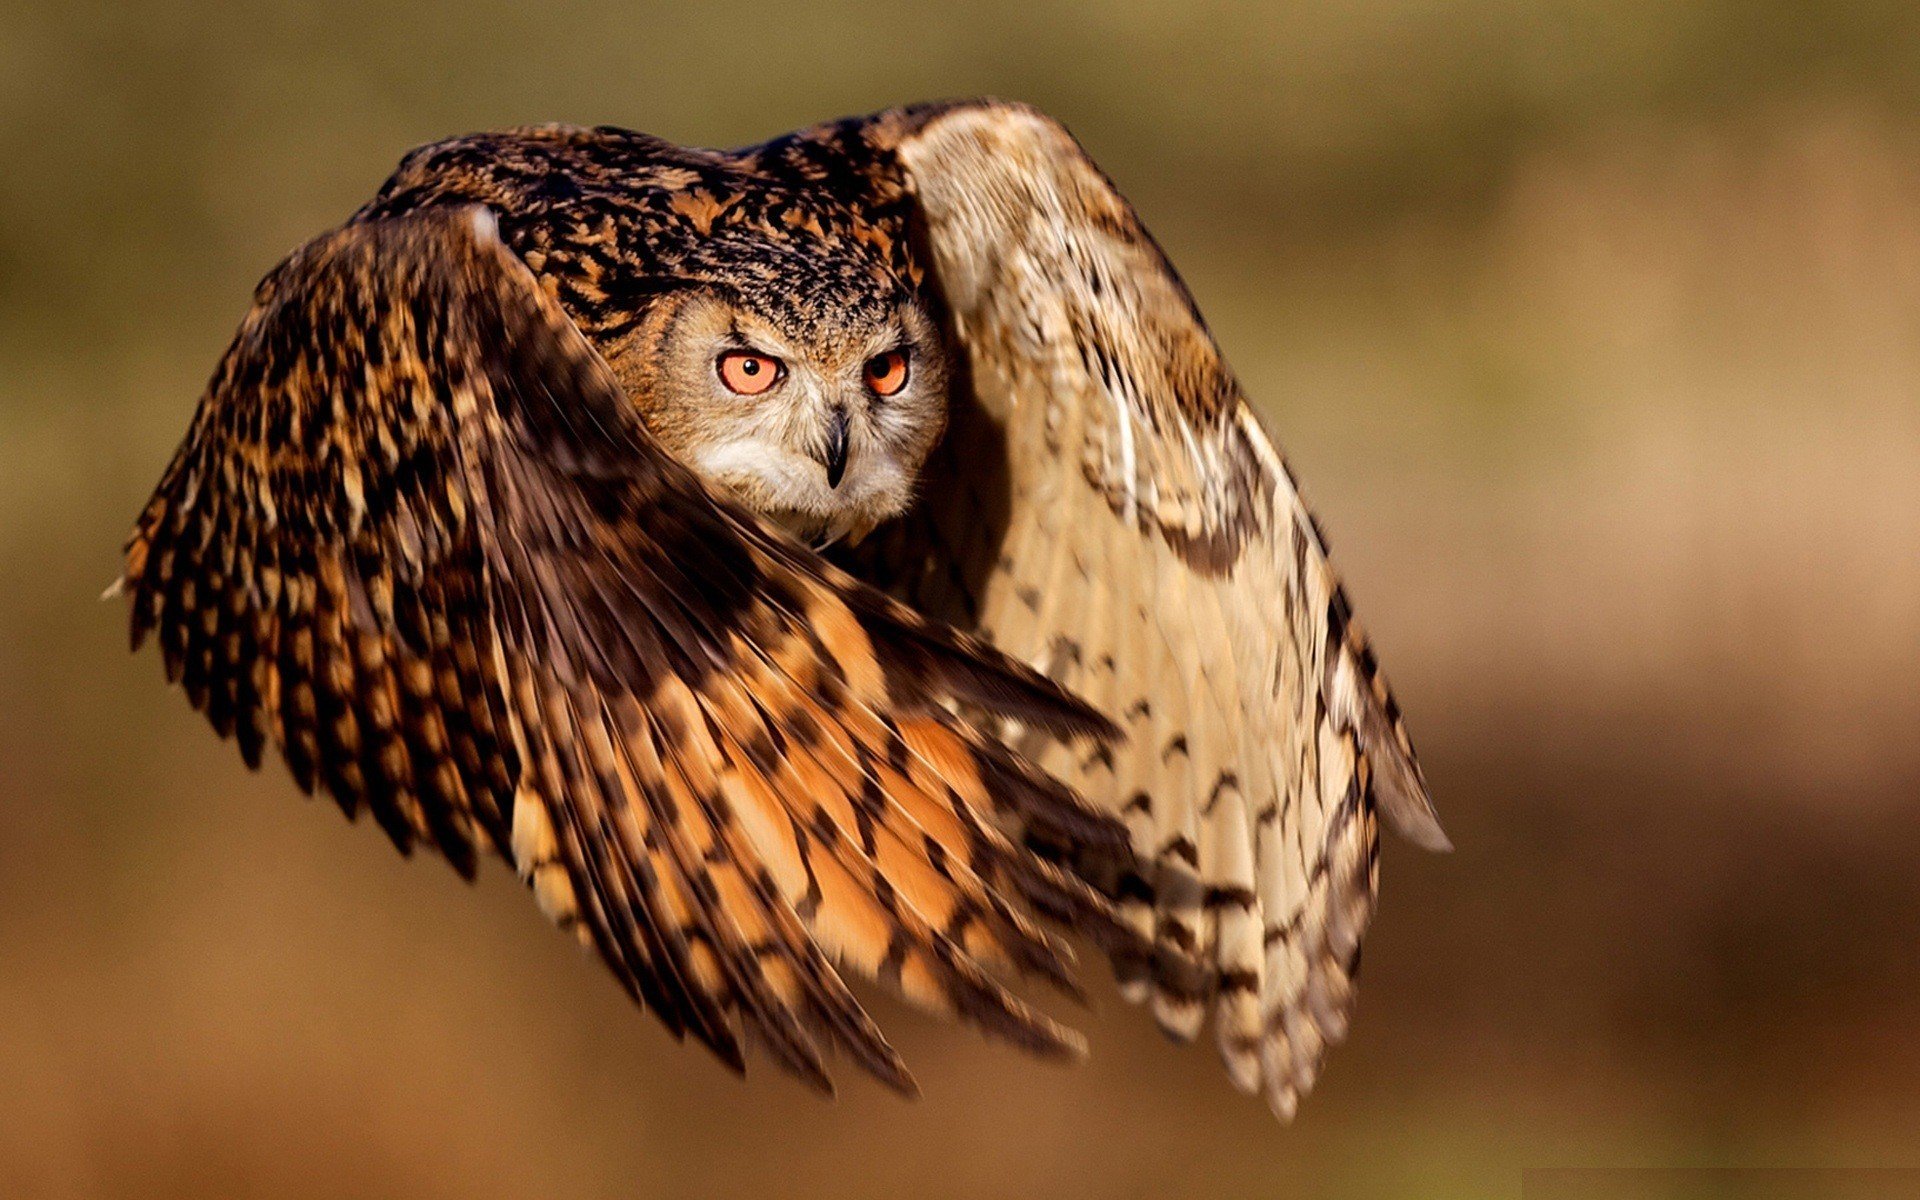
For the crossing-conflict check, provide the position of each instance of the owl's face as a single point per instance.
(819, 424)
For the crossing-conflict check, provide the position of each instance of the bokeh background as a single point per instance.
(1593, 329)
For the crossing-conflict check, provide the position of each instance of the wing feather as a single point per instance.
(1113, 513)
(418, 539)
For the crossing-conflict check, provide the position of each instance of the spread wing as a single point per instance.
(418, 540)
(1108, 507)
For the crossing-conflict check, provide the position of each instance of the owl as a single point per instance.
(847, 557)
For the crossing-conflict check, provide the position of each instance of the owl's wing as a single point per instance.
(1108, 507)
(418, 539)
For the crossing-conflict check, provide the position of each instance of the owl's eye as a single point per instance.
(887, 373)
(748, 373)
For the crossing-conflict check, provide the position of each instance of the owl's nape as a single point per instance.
(524, 567)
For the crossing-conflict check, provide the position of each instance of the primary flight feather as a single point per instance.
(845, 553)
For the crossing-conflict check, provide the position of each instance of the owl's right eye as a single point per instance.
(748, 373)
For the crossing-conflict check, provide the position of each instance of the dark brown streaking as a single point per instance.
(418, 538)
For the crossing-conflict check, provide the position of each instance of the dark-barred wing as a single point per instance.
(418, 539)
(1108, 507)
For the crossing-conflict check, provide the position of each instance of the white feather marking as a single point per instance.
(485, 227)
(1124, 416)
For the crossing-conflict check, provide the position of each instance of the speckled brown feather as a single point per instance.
(1110, 510)
(419, 538)
(609, 220)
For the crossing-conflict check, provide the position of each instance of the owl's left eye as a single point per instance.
(886, 373)
(748, 373)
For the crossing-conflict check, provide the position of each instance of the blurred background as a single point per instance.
(1592, 328)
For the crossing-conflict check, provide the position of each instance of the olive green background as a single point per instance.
(1593, 331)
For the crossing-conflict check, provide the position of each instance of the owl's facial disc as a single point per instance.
(821, 426)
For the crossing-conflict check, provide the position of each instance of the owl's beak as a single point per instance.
(836, 449)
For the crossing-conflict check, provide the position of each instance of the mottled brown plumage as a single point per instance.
(463, 528)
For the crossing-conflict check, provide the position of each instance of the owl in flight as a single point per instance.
(844, 555)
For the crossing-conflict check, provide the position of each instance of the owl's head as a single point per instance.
(799, 377)
(816, 415)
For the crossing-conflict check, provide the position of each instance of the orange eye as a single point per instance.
(887, 373)
(748, 373)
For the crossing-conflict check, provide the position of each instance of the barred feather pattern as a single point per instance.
(418, 540)
(1111, 510)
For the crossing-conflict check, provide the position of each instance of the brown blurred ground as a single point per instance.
(1593, 330)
